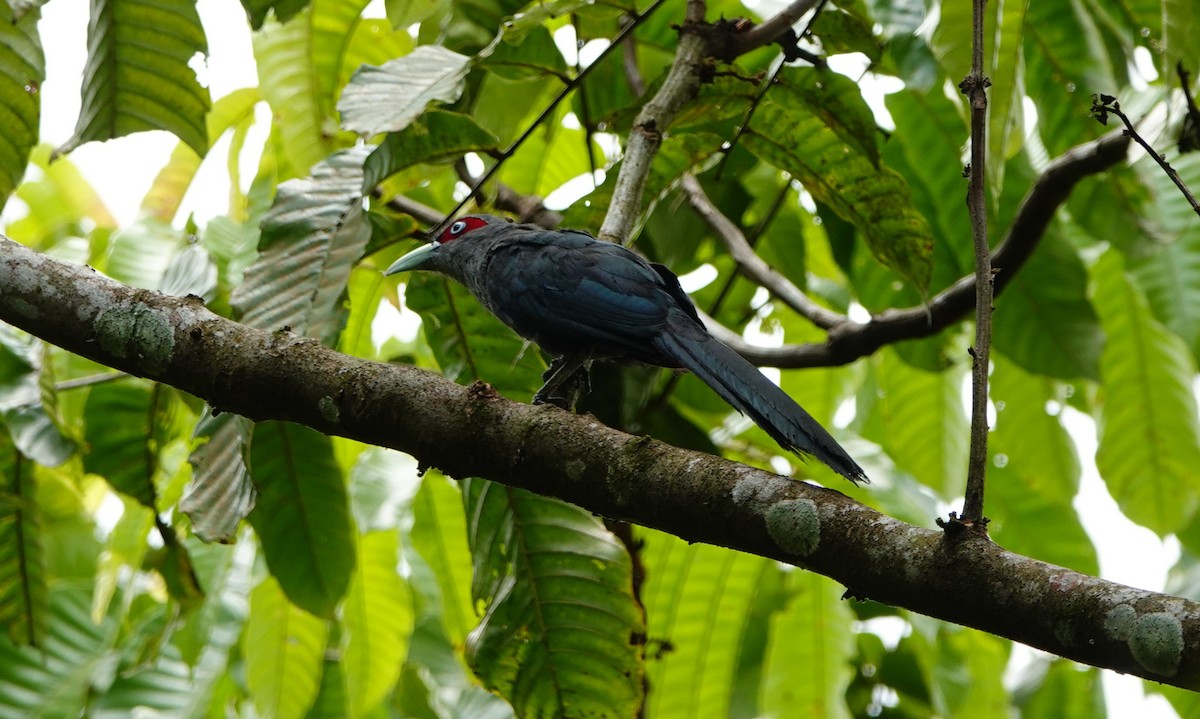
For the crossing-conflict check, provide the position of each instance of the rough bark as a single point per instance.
(958, 577)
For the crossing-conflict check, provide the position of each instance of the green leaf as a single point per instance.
(23, 588)
(1065, 690)
(1169, 275)
(389, 97)
(291, 85)
(220, 494)
(560, 635)
(809, 661)
(1149, 439)
(1043, 320)
(137, 76)
(691, 592)
(837, 173)
(303, 515)
(54, 680)
(257, 10)
(311, 238)
(377, 619)
(917, 417)
(128, 424)
(22, 71)
(439, 534)
(435, 137)
(284, 648)
(468, 342)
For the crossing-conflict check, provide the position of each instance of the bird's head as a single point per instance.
(453, 247)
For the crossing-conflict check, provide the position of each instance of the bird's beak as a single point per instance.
(413, 260)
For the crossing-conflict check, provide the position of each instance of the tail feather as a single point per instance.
(741, 384)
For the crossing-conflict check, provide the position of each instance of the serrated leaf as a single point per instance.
(303, 514)
(377, 619)
(690, 593)
(311, 238)
(137, 75)
(284, 648)
(876, 200)
(559, 637)
(435, 137)
(1149, 439)
(22, 71)
(220, 494)
(388, 97)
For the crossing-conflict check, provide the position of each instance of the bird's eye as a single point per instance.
(458, 227)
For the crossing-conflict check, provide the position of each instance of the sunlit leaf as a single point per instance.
(283, 647)
(137, 75)
(388, 97)
(22, 71)
(1149, 437)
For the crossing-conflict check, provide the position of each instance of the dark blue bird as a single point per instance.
(582, 299)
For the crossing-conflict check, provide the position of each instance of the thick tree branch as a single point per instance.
(754, 266)
(958, 577)
(680, 86)
(849, 341)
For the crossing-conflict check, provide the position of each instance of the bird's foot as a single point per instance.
(567, 381)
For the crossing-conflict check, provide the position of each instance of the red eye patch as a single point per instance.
(460, 227)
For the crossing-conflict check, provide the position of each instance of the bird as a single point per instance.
(582, 299)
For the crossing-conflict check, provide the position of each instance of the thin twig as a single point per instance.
(562, 95)
(754, 266)
(974, 86)
(89, 380)
(752, 240)
(852, 341)
(586, 120)
(727, 150)
(1105, 104)
(770, 29)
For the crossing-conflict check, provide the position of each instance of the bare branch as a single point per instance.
(754, 266)
(698, 497)
(848, 342)
(680, 86)
(771, 28)
(975, 88)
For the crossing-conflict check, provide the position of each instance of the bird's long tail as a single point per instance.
(742, 385)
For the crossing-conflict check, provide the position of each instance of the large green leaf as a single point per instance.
(303, 515)
(808, 664)
(691, 593)
(23, 604)
(917, 417)
(377, 619)
(468, 341)
(22, 71)
(284, 647)
(435, 137)
(388, 98)
(1062, 690)
(221, 493)
(311, 238)
(53, 680)
(439, 534)
(1169, 275)
(137, 75)
(1149, 439)
(790, 133)
(561, 635)
(291, 86)
(1043, 320)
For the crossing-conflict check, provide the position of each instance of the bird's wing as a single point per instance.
(572, 294)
